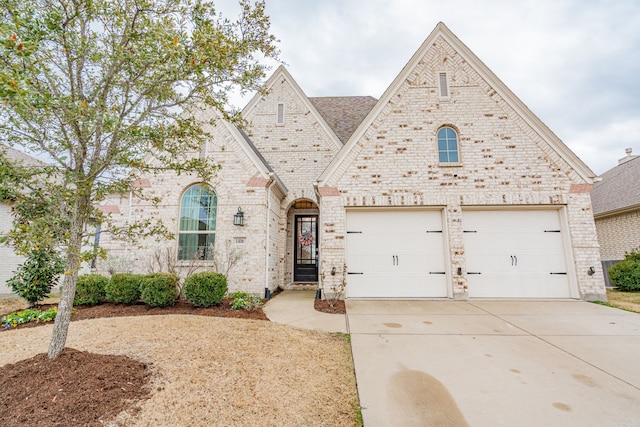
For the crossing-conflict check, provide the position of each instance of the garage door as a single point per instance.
(395, 254)
(515, 254)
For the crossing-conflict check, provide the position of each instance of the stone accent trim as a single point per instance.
(329, 191)
(257, 181)
(141, 183)
(110, 209)
(580, 188)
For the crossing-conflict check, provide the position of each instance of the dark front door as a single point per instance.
(305, 262)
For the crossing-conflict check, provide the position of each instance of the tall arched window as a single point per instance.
(197, 233)
(448, 146)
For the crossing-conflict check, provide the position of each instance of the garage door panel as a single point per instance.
(528, 285)
(515, 253)
(400, 253)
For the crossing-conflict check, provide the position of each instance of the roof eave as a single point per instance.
(618, 211)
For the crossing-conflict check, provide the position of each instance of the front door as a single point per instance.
(305, 265)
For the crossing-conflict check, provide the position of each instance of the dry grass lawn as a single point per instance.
(218, 371)
(625, 300)
(7, 305)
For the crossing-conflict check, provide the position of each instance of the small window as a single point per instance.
(280, 119)
(448, 146)
(444, 85)
(197, 232)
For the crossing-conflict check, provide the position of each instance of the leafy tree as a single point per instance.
(108, 90)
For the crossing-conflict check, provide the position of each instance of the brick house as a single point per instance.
(616, 209)
(445, 187)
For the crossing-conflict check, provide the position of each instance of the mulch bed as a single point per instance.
(75, 389)
(108, 309)
(87, 389)
(325, 307)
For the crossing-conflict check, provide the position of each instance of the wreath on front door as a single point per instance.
(305, 238)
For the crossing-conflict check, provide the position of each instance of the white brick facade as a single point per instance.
(508, 160)
(505, 163)
(237, 183)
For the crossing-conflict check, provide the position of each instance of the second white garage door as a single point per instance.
(395, 254)
(515, 254)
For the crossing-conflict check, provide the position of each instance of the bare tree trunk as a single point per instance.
(63, 318)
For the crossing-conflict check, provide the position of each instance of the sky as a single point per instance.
(574, 63)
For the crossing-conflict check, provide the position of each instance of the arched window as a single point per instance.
(197, 232)
(448, 145)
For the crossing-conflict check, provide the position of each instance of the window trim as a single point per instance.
(280, 112)
(457, 151)
(443, 75)
(208, 254)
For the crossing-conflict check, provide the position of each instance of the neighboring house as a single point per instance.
(9, 260)
(448, 186)
(616, 209)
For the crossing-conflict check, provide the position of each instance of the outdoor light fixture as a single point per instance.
(591, 271)
(238, 218)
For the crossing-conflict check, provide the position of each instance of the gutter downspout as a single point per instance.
(267, 289)
(320, 276)
(126, 244)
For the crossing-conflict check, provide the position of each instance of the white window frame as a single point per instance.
(446, 88)
(280, 114)
(458, 151)
(212, 216)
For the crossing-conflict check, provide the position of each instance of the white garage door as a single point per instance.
(515, 254)
(395, 253)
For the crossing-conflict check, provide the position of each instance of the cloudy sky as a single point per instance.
(574, 63)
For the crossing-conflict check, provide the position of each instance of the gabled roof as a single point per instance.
(280, 74)
(501, 89)
(344, 113)
(19, 156)
(618, 191)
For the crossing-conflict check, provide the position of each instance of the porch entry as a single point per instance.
(305, 261)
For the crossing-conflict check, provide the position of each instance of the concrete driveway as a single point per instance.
(492, 363)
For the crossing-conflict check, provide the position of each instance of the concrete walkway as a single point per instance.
(495, 363)
(295, 308)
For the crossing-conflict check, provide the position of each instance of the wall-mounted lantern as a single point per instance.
(238, 218)
(591, 271)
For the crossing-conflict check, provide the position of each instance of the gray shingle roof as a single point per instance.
(343, 113)
(260, 156)
(619, 188)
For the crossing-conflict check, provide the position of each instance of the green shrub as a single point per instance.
(90, 289)
(34, 279)
(625, 275)
(159, 289)
(205, 289)
(124, 288)
(244, 300)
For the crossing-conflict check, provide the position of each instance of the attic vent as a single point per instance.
(280, 119)
(444, 87)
